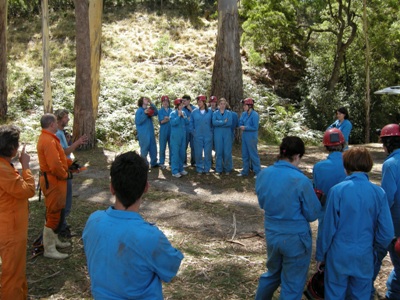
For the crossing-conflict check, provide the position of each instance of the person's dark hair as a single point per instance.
(60, 113)
(46, 120)
(337, 148)
(291, 146)
(9, 140)
(140, 101)
(129, 177)
(344, 111)
(357, 159)
(391, 143)
(187, 97)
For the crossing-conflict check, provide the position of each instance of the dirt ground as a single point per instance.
(214, 220)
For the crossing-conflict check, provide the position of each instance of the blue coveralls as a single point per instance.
(222, 140)
(235, 124)
(345, 127)
(289, 202)
(391, 184)
(147, 139)
(178, 140)
(249, 142)
(357, 218)
(201, 128)
(165, 134)
(189, 137)
(326, 174)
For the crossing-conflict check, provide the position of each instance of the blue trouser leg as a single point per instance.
(198, 150)
(163, 138)
(379, 255)
(227, 150)
(253, 153)
(208, 144)
(245, 157)
(182, 153)
(144, 144)
(218, 143)
(393, 282)
(153, 151)
(175, 154)
(192, 151)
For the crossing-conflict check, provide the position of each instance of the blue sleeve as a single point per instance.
(191, 123)
(166, 260)
(229, 117)
(155, 109)
(140, 116)
(346, 129)
(384, 232)
(333, 125)
(174, 119)
(389, 182)
(253, 124)
(311, 207)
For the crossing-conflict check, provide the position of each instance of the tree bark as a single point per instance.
(3, 59)
(227, 80)
(87, 86)
(367, 75)
(47, 99)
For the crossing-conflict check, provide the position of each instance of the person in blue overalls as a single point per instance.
(390, 137)
(287, 197)
(188, 108)
(357, 220)
(343, 124)
(165, 130)
(222, 122)
(178, 121)
(145, 129)
(328, 172)
(201, 128)
(248, 124)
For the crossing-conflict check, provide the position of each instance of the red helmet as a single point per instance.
(150, 111)
(390, 130)
(333, 137)
(178, 101)
(397, 247)
(248, 101)
(202, 98)
(213, 99)
(315, 287)
(164, 98)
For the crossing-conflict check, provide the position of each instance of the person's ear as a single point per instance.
(146, 188)
(112, 189)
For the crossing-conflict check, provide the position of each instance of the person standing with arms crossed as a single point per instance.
(15, 190)
(62, 122)
(54, 174)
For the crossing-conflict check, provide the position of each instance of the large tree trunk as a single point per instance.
(47, 100)
(3, 59)
(87, 86)
(367, 75)
(227, 78)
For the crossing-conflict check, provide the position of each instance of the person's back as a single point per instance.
(128, 257)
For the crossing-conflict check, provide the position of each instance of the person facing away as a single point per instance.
(188, 108)
(165, 130)
(248, 124)
(128, 257)
(330, 171)
(390, 137)
(178, 122)
(145, 129)
(289, 202)
(357, 220)
(201, 127)
(343, 124)
(222, 122)
(62, 122)
(53, 178)
(15, 190)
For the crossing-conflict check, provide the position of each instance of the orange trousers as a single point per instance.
(55, 197)
(13, 254)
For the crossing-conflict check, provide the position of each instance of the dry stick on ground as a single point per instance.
(44, 278)
(234, 233)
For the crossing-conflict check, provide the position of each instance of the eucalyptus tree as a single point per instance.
(3, 59)
(227, 78)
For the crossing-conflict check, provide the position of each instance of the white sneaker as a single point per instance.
(184, 172)
(177, 175)
(240, 175)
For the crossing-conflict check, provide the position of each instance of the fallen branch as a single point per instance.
(47, 277)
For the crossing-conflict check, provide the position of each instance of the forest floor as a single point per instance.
(214, 220)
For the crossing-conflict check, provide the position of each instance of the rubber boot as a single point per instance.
(49, 244)
(60, 244)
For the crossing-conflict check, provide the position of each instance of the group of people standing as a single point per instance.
(205, 127)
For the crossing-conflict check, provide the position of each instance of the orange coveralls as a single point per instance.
(53, 162)
(14, 193)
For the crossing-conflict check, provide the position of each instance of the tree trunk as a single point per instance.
(227, 78)
(87, 86)
(3, 59)
(47, 100)
(367, 75)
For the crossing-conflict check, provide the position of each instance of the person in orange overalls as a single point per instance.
(53, 183)
(15, 190)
